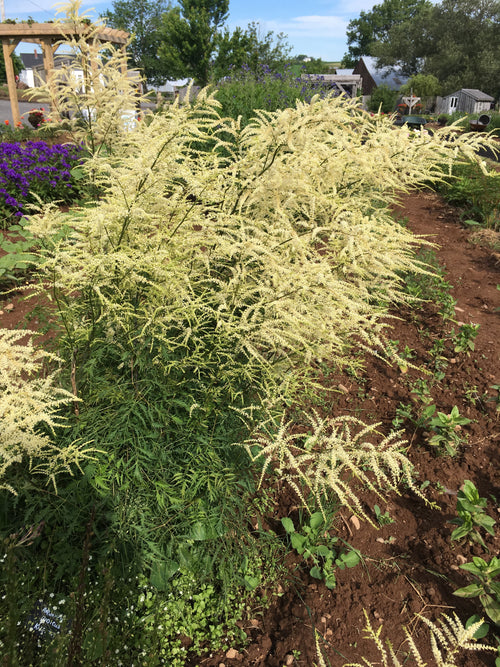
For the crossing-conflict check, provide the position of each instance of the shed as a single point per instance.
(466, 100)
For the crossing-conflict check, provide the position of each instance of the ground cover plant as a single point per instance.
(196, 300)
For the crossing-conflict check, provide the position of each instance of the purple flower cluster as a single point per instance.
(35, 168)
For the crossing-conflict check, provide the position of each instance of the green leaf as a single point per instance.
(471, 591)
(491, 607)
(351, 558)
(297, 541)
(288, 524)
(322, 550)
(330, 581)
(198, 532)
(316, 572)
(316, 520)
(162, 572)
(251, 583)
(486, 522)
(460, 532)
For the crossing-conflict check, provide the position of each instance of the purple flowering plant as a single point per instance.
(36, 169)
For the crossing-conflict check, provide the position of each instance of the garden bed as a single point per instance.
(410, 565)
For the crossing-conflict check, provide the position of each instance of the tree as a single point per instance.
(141, 18)
(16, 62)
(251, 48)
(375, 25)
(189, 34)
(458, 41)
(425, 86)
(307, 65)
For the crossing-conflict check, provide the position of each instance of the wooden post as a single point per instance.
(48, 49)
(8, 49)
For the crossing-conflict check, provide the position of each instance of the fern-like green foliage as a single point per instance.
(29, 402)
(324, 463)
(448, 639)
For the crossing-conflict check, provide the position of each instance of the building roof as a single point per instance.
(31, 60)
(35, 60)
(394, 78)
(476, 95)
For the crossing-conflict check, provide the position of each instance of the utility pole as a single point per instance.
(2, 10)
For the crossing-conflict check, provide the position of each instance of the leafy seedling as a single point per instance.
(315, 545)
(471, 515)
(382, 519)
(485, 586)
(447, 431)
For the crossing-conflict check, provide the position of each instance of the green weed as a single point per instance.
(312, 542)
(471, 515)
(486, 586)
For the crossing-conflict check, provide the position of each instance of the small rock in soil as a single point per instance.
(233, 654)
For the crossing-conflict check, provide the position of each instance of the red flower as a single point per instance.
(19, 124)
(6, 122)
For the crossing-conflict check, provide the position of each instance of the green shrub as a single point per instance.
(219, 263)
(244, 92)
(383, 99)
(475, 192)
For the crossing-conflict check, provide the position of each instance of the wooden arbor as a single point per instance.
(49, 36)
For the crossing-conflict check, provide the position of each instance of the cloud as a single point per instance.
(308, 26)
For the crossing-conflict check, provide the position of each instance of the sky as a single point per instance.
(316, 28)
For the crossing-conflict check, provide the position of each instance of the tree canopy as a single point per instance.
(251, 48)
(374, 26)
(189, 37)
(16, 62)
(142, 19)
(458, 41)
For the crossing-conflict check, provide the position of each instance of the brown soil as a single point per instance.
(409, 566)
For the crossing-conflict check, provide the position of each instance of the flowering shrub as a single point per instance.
(36, 170)
(244, 91)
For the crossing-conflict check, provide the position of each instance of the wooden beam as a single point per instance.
(35, 31)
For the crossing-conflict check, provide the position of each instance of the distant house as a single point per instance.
(31, 62)
(467, 100)
(374, 76)
(34, 71)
